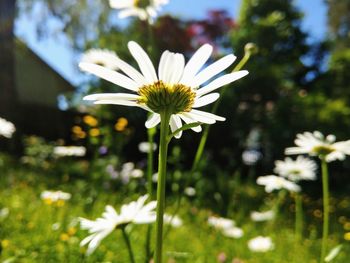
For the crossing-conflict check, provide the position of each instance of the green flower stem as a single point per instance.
(128, 244)
(205, 134)
(162, 164)
(298, 216)
(325, 187)
(279, 200)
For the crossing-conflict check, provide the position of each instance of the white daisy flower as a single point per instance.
(143, 9)
(273, 182)
(103, 57)
(190, 191)
(6, 128)
(61, 151)
(233, 232)
(261, 244)
(315, 144)
(220, 222)
(135, 212)
(295, 170)
(174, 221)
(146, 147)
(55, 196)
(262, 216)
(175, 89)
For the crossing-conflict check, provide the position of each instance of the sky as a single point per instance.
(59, 55)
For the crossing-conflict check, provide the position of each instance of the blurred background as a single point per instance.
(299, 81)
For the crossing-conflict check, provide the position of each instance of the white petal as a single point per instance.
(111, 96)
(118, 4)
(175, 123)
(189, 120)
(143, 61)
(196, 63)
(207, 115)
(131, 72)
(178, 68)
(163, 65)
(212, 70)
(205, 100)
(118, 102)
(109, 75)
(221, 81)
(152, 121)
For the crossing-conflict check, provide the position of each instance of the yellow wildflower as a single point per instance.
(64, 237)
(94, 132)
(90, 120)
(121, 124)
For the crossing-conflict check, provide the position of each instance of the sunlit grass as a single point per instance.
(37, 232)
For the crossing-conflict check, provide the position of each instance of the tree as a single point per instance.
(264, 99)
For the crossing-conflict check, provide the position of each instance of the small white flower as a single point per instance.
(262, 216)
(176, 87)
(295, 170)
(138, 8)
(136, 173)
(273, 182)
(55, 196)
(145, 147)
(233, 232)
(135, 212)
(251, 157)
(315, 144)
(261, 244)
(69, 151)
(173, 220)
(155, 177)
(128, 171)
(103, 57)
(333, 253)
(6, 128)
(190, 191)
(56, 226)
(220, 222)
(4, 212)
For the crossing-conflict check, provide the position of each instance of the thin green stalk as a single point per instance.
(280, 198)
(298, 216)
(150, 155)
(163, 154)
(205, 133)
(325, 188)
(128, 244)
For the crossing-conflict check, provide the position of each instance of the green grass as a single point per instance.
(27, 234)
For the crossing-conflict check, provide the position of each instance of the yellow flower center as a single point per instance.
(160, 96)
(323, 150)
(141, 3)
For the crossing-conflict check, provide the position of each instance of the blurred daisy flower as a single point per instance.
(273, 182)
(173, 220)
(55, 197)
(262, 216)
(61, 151)
(260, 244)
(143, 9)
(103, 57)
(295, 170)
(316, 144)
(226, 226)
(176, 89)
(6, 128)
(136, 212)
(146, 147)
